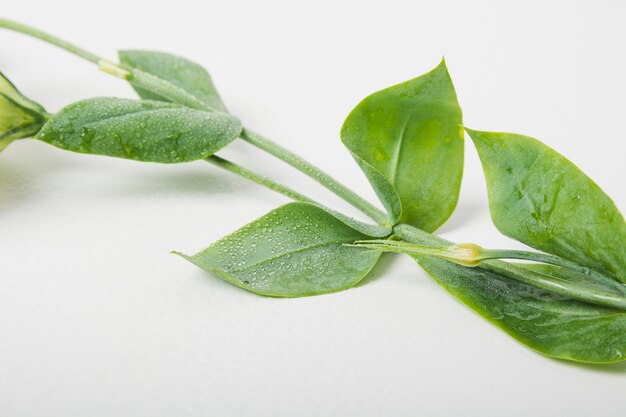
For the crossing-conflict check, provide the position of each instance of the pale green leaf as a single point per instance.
(410, 135)
(150, 131)
(293, 251)
(179, 71)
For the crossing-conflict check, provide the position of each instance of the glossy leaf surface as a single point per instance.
(410, 135)
(540, 198)
(293, 251)
(183, 73)
(552, 324)
(148, 131)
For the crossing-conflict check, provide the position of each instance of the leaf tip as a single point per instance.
(442, 66)
(475, 135)
(182, 255)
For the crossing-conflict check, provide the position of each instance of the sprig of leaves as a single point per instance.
(408, 140)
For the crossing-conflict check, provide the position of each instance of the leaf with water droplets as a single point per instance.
(142, 130)
(552, 324)
(540, 198)
(179, 71)
(296, 250)
(408, 141)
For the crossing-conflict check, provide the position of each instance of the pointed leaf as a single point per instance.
(549, 323)
(410, 135)
(293, 251)
(150, 131)
(183, 73)
(540, 198)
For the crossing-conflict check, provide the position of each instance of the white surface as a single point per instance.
(96, 318)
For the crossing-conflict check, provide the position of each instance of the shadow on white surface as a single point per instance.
(382, 268)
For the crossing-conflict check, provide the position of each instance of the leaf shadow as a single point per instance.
(609, 368)
(462, 215)
(23, 179)
(188, 182)
(381, 268)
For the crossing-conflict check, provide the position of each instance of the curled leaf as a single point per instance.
(20, 117)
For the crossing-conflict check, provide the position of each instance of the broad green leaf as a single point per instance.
(150, 131)
(185, 74)
(410, 135)
(293, 251)
(19, 116)
(540, 198)
(549, 323)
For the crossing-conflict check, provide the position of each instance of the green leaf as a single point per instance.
(549, 323)
(185, 74)
(384, 190)
(293, 251)
(19, 116)
(410, 135)
(150, 131)
(540, 198)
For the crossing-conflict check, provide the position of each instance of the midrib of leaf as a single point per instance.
(425, 91)
(129, 114)
(317, 245)
(398, 150)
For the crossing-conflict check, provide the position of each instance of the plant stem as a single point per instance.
(259, 179)
(613, 299)
(548, 259)
(317, 174)
(35, 33)
(178, 95)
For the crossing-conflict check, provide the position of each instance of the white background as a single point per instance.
(96, 318)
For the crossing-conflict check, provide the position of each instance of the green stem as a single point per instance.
(317, 174)
(162, 88)
(139, 78)
(259, 179)
(614, 299)
(175, 94)
(46, 37)
(547, 259)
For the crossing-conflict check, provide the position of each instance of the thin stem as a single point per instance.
(615, 297)
(163, 88)
(558, 285)
(259, 179)
(35, 33)
(137, 77)
(315, 173)
(545, 258)
(178, 95)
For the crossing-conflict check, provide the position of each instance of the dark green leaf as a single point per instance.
(150, 131)
(293, 251)
(540, 198)
(549, 323)
(185, 74)
(410, 135)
